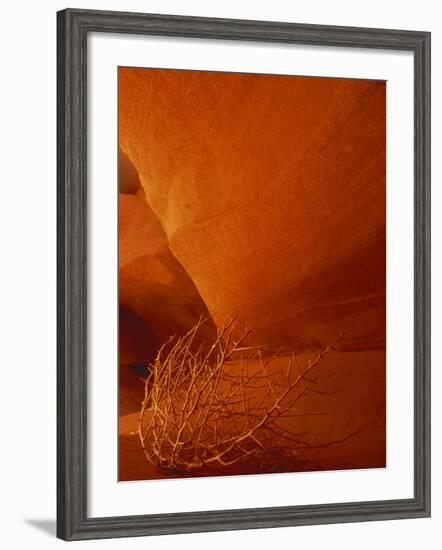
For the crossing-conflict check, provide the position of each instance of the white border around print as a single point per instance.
(107, 497)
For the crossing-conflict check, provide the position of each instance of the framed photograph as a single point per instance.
(243, 274)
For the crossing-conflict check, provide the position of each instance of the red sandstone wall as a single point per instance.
(271, 194)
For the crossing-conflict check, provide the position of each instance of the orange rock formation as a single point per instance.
(263, 197)
(271, 192)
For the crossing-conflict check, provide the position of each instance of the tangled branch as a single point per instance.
(218, 405)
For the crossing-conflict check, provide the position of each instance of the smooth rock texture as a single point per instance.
(262, 197)
(156, 296)
(271, 194)
(153, 285)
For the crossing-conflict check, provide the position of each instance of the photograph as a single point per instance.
(220, 237)
(251, 274)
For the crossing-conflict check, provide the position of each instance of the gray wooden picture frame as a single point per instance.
(73, 27)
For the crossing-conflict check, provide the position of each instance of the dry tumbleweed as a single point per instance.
(222, 405)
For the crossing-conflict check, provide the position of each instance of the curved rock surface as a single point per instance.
(271, 194)
(157, 298)
(152, 283)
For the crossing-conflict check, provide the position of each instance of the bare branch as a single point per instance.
(215, 406)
